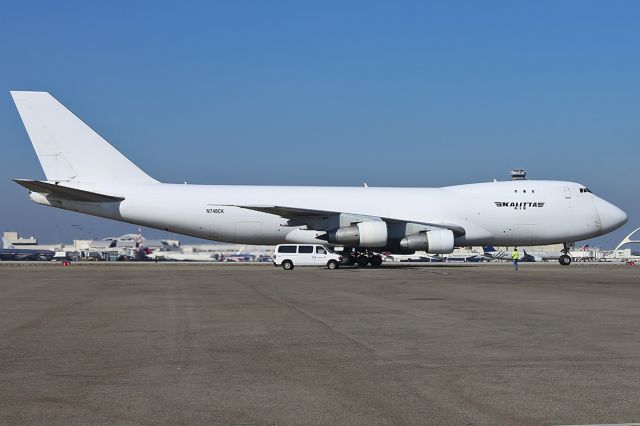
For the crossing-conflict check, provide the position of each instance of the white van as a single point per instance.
(290, 255)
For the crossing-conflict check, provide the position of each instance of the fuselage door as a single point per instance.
(567, 192)
(248, 231)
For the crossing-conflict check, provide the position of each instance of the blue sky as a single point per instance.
(330, 93)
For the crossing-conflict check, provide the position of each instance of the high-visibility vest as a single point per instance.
(515, 255)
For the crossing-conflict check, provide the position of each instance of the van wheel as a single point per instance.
(332, 264)
(287, 265)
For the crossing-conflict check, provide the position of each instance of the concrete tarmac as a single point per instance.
(243, 345)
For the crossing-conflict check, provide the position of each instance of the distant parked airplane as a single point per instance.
(84, 173)
(525, 256)
(181, 257)
(415, 257)
(25, 254)
(464, 257)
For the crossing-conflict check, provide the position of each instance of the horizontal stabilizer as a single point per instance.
(67, 193)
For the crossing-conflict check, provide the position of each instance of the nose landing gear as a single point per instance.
(565, 259)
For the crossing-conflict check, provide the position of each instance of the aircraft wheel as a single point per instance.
(332, 264)
(376, 261)
(564, 260)
(287, 265)
(363, 261)
(348, 260)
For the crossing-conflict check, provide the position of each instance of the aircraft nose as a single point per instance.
(611, 217)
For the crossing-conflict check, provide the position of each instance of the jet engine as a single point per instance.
(437, 241)
(363, 234)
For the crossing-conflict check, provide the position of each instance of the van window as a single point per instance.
(287, 249)
(305, 249)
(320, 250)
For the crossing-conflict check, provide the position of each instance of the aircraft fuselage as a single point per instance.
(524, 212)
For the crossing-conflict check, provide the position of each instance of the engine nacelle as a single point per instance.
(437, 241)
(364, 234)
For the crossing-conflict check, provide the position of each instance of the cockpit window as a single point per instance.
(585, 190)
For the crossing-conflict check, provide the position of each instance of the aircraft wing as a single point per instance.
(66, 192)
(300, 214)
(289, 212)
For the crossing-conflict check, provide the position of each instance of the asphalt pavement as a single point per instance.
(243, 345)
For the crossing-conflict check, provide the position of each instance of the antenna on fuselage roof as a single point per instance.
(365, 185)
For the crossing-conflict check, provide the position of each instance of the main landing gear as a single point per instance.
(362, 258)
(565, 259)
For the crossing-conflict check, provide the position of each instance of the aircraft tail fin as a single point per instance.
(67, 148)
(488, 249)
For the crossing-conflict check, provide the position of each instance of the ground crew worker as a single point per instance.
(515, 256)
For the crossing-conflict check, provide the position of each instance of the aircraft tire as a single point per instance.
(362, 261)
(348, 260)
(564, 260)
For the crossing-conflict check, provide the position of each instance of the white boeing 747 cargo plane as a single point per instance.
(85, 174)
